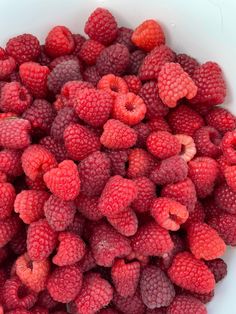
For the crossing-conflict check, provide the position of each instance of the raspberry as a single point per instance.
(211, 87)
(91, 75)
(32, 274)
(29, 205)
(7, 64)
(203, 171)
(228, 146)
(140, 163)
(188, 147)
(41, 240)
(18, 242)
(37, 184)
(185, 305)
(61, 59)
(14, 133)
(108, 311)
(72, 88)
(93, 106)
(126, 222)
(116, 245)
(142, 130)
(87, 262)
(80, 141)
(124, 35)
(168, 213)
(117, 135)
(148, 35)
(43, 58)
(88, 207)
(183, 192)
(210, 208)
(16, 295)
(101, 26)
(95, 294)
(221, 119)
(204, 241)
(153, 62)
(3, 177)
(39, 310)
(225, 198)
(56, 148)
(146, 194)
(77, 225)
(18, 311)
(218, 267)
(158, 124)
(225, 224)
(65, 283)
(14, 98)
(185, 120)
(90, 50)
(8, 195)
(161, 310)
(36, 160)
(41, 115)
(156, 288)
(34, 77)
(151, 239)
(188, 63)
(204, 298)
(59, 213)
(113, 59)
(45, 300)
(171, 170)
(230, 176)
(7, 115)
(190, 273)
(129, 305)
(8, 228)
(59, 42)
(125, 277)
(113, 84)
(117, 195)
(23, 48)
(133, 82)
(207, 140)
(135, 61)
(78, 40)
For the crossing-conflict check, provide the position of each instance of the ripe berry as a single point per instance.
(88, 207)
(146, 194)
(90, 50)
(7, 64)
(141, 163)
(188, 63)
(113, 84)
(129, 305)
(185, 305)
(225, 198)
(207, 140)
(228, 146)
(225, 224)
(221, 119)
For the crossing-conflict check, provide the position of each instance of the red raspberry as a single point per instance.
(125, 277)
(7, 64)
(43, 58)
(72, 88)
(171, 170)
(59, 213)
(124, 35)
(79, 40)
(113, 84)
(7, 199)
(93, 106)
(8, 228)
(126, 222)
(34, 77)
(188, 147)
(207, 140)
(18, 311)
(117, 135)
(88, 207)
(59, 42)
(140, 163)
(116, 245)
(80, 141)
(36, 160)
(87, 263)
(148, 35)
(41, 240)
(204, 298)
(183, 192)
(151, 239)
(37, 184)
(230, 176)
(221, 119)
(29, 205)
(117, 195)
(95, 294)
(77, 225)
(61, 102)
(204, 241)
(185, 120)
(14, 133)
(45, 300)
(3, 177)
(156, 311)
(133, 82)
(61, 59)
(14, 98)
(18, 242)
(188, 63)
(56, 148)
(158, 124)
(203, 171)
(129, 305)
(129, 108)
(218, 267)
(142, 130)
(146, 194)
(71, 249)
(119, 159)
(90, 50)
(23, 48)
(16, 295)
(32, 274)
(228, 146)
(211, 88)
(108, 311)
(65, 283)
(91, 75)
(225, 225)
(41, 115)
(211, 209)
(113, 59)
(186, 304)
(153, 62)
(190, 273)
(135, 61)
(39, 310)
(156, 288)
(101, 26)
(225, 198)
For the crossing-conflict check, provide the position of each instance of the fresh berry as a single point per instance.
(7, 64)
(228, 146)
(185, 305)
(77, 225)
(210, 208)
(140, 163)
(39, 310)
(129, 305)
(230, 177)
(90, 50)
(113, 84)
(142, 130)
(146, 194)
(37, 184)
(78, 40)
(18, 242)
(101, 26)
(56, 148)
(72, 88)
(188, 63)
(221, 119)
(225, 198)
(188, 147)
(125, 222)
(133, 82)
(91, 75)
(119, 159)
(3, 177)
(61, 59)
(45, 300)
(225, 224)
(218, 267)
(23, 48)
(88, 207)
(207, 140)
(123, 37)
(8, 228)
(7, 199)
(135, 61)
(190, 273)
(158, 124)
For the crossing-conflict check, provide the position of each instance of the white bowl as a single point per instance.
(203, 29)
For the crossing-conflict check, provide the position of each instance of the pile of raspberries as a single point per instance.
(117, 173)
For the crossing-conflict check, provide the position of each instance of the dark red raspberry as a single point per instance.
(3, 177)
(113, 59)
(91, 75)
(211, 209)
(119, 160)
(43, 58)
(88, 206)
(113, 84)
(77, 226)
(221, 119)
(228, 146)
(59, 42)
(23, 48)
(101, 26)
(80, 141)
(129, 305)
(186, 304)
(78, 40)
(90, 50)
(8, 196)
(125, 222)
(45, 300)
(156, 288)
(140, 163)
(158, 124)
(225, 198)
(7, 64)
(61, 59)
(18, 242)
(8, 229)
(133, 82)
(124, 35)
(39, 310)
(142, 130)
(87, 263)
(218, 267)
(10, 162)
(225, 224)
(135, 61)
(188, 63)
(204, 298)
(37, 184)
(56, 148)
(146, 194)
(207, 140)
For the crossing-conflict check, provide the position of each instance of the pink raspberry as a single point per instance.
(90, 50)
(133, 82)
(129, 305)
(188, 63)
(56, 148)
(7, 64)
(113, 84)
(77, 225)
(228, 146)
(230, 173)
(124, 35)
(207, 140)
(225, 198)
(91, 75)
(8, 228)
(221, 119)
(37, 184)
(8, 196)
(188, 147)
(88, 207)
(135, 61)
(126, 222)
(146, 194)
(140, 163)
(10, 162)
(185, 305)
(59, 213)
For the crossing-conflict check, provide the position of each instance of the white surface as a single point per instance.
(203, 28)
